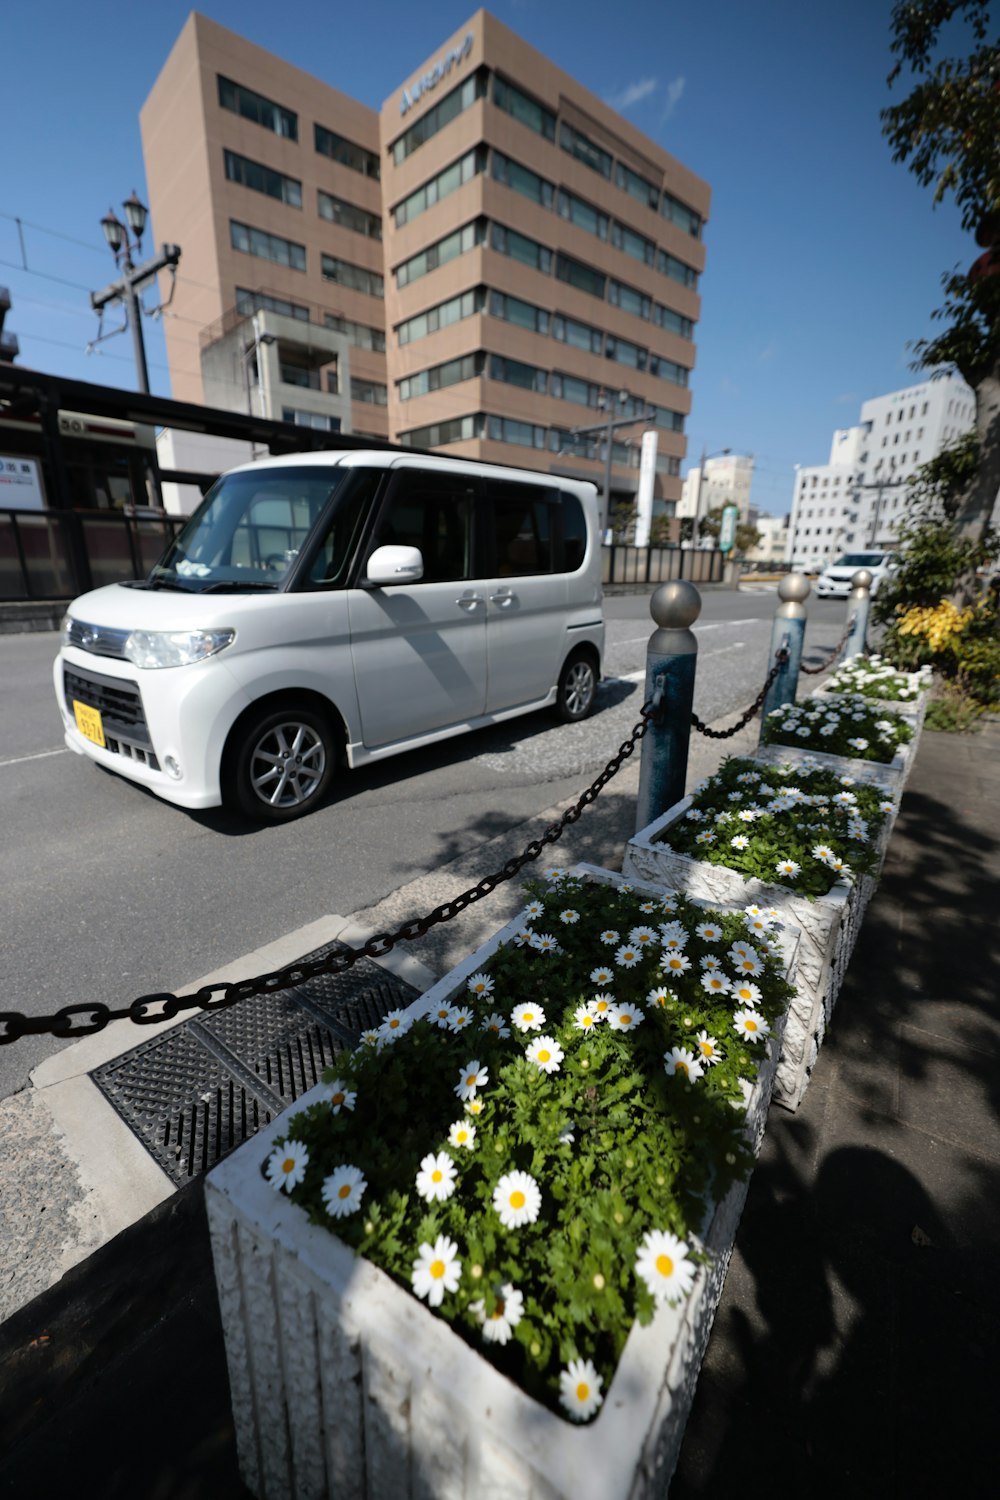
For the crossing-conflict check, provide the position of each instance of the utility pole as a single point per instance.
(609, 428)
(133, 278)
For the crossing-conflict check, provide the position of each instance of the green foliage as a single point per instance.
(622, 520)
(766, 808)
(747, 536)
(934, 556)
(839, 726)
(953, 711)
(615, 1145)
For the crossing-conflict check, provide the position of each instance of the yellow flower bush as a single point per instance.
(940, 626)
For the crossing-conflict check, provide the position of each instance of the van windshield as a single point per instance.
(248, 531)
(860, 560)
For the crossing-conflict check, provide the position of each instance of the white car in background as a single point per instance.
(835, 580)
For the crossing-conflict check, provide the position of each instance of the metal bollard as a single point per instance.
(789, 630)
(671, 658)
(859, 602)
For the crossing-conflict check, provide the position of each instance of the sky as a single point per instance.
(824, 258)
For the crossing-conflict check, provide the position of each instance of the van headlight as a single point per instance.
(175, 648)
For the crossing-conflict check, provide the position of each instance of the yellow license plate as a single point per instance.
(88, 721)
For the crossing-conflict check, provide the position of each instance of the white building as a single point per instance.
(724, 480)
(857, 500)
(772, 549)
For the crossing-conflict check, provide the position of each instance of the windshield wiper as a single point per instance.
(172, 584)
(236, 586)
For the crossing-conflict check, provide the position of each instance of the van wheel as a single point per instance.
(577, 689)
(282, 765)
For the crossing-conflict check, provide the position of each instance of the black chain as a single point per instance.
(147, 1010)
(812, 671)
(780, 657)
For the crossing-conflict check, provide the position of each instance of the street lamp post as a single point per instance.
(606, 402)
(133, 278)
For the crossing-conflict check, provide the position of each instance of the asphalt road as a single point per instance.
(107, 893)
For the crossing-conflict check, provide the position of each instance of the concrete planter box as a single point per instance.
(828, 930)
(891, 775)
(344, 1384)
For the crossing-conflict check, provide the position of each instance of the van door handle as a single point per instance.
(503, 598)
(468, 602)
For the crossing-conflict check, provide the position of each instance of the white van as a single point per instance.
(835, 580)
(337, 606)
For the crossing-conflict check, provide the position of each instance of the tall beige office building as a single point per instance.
(489, 266)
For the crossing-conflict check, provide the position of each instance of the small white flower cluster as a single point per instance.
(872, 677)
(747, 963)
(818, 719)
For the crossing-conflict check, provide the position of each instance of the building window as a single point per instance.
(440, 434)
(255, 107)
(371, 392)
(666, 369)
(584, 278)
(521, 314)
(678, 213)
(261, 179)
(442, 316)
(298, 375)
(522, 434)
(673, 421)
(677, 270)
(629, 300)
(446, 110)
(359, 334)
(625, 353)
(583, 215)
(585, 150)
(349, 216)
(439, 377)
(519, 247)
(640, 188)
(439, 187)
(441, 253)
(572, 388)
(634, 244)
(248, 302)
(578, 335)
(528, 111)
(522, 180)
(318, 420)
(267, 246)
(513, 372)
(346, 152)
(357, 278)
(674, 322)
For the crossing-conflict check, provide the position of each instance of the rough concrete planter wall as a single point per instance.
(344, 1384)
(828, 926)
(846, 765)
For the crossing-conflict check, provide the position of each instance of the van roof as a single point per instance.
(380, 458)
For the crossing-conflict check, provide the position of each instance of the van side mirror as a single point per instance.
(393, 564)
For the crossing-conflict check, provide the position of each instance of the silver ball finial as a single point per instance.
(794, 588)
(675, 606)
(862, 579)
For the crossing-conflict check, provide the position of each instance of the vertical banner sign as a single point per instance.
(647, 473)
(727, 528)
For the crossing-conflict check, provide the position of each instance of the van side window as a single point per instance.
(431, 511)
(574, 530)
(522, 529)
(334, 552)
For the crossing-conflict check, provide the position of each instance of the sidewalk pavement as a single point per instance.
(854, 1347)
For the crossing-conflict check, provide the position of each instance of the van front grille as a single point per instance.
(118, 702)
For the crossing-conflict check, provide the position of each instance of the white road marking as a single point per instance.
(632, 640)
(18, 760)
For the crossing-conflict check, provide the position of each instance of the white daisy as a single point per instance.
(339, 1096)
(710, 963)
(343, 1191)
(663, 1265)
(580, 1389)
(436, 1270)
(567, 1135)
(555, 874)
(715, 984)
(462, 1135)
(508, 1310)
(648, 907)
(495, 1023)
(286, 1165)
(627, 956)
(517, 1199)
(673, 935)
(441, 1017)
(394, 1025)
(709, 1049)
(459, 1018)
(642, 936)
(545, 1053)
(544, 942)
(601, 976)
(625, 1017)
(750, 964)
(680, 1061)
(370, 1039)
(480, 984)
(745, 993)
(534, 909)
(660, 997)
(710, 932)
(584, 1018)
(472, 1077)
(787, 867)
(601, 1005)
(610, 936)
(823, 852)
(474, 1106)
(436, 1178)
(522, 938)
(675, 963)
(668, 904)
(740, 949)
(751, 1025)
(569, 916)
(528, 1017)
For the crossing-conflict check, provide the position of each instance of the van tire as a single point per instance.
(289, 751)
(577, 689)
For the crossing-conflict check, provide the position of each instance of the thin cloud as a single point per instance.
(634, 93)
(675, 91)
(768, 353)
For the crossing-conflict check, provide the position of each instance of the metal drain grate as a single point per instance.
(202, 1088)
